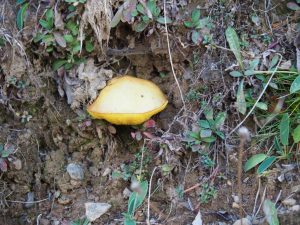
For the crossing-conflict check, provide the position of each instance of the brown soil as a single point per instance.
(57, 135)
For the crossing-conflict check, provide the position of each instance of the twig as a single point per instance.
(170, 56)
(258, 99)
(149, 195)
(30, 202)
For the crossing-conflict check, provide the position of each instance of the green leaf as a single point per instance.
(139, 27)
(195, 15)
(274, 61)
(73, 27)
(277, 146)
(234, 44)
(266, 164)
(140, 9)
(21, 15)
(68, 66)
(161, 20)
(45, 24)
(38, 37)
(220, 134)
(188, 24)
(58, 63)
(69, 38)
(270, 212)
(236, 74)
(253, 64)
(49, 16)
(151, 5)
(240, 99)
(195, 37)
(129, 221)
(1, 148)
(296, 134)
(8, 150)
(202, 23)
(89, 47)
(254, 161)
(249, 72)
(204, 124)
(284, 129)
(136, 198)
(210, 139)
(220, 119)
(48, 39)
(293, 6)
(19, 2)
(146, 19)
(295, 85)
(262, 106)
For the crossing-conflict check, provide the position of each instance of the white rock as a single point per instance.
(243, 221)
(295, 208)
(289, 201)
(75, 171)
(94, 210)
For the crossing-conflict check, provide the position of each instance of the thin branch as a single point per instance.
(170, 56)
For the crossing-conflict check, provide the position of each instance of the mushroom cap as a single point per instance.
(128, 101)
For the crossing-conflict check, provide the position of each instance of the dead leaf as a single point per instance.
(58, 21)
(60, 39)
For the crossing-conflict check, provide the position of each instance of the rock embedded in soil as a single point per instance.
(75, 171)
(94, 210)
(289, 202)
(243, 221)
(64, 200)
(29, 200)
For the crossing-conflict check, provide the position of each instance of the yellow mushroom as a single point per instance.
(128, 101)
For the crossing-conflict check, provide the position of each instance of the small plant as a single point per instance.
(141, 15)
(208, 131)
(196, 24)
(133, 168)
(136, 199)
(208, 193)
(6, 152)
(61, 38)
(281, 148)
(83, 221)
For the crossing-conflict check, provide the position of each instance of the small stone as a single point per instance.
(296, 189)
(229, 183)
(94, 210)
(17, 164)
(64, 200)
(243, 221)
(281, 178)
(29, 201)
(75, 171)
(295, 208)
(56, 194)
(235, 205)
(94, 171)
(236, 198)
(126, 193)
(106, 172)
(289, 202)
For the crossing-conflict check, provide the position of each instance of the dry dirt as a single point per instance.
(57, 134)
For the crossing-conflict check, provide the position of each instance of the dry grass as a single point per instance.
(98, 15)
